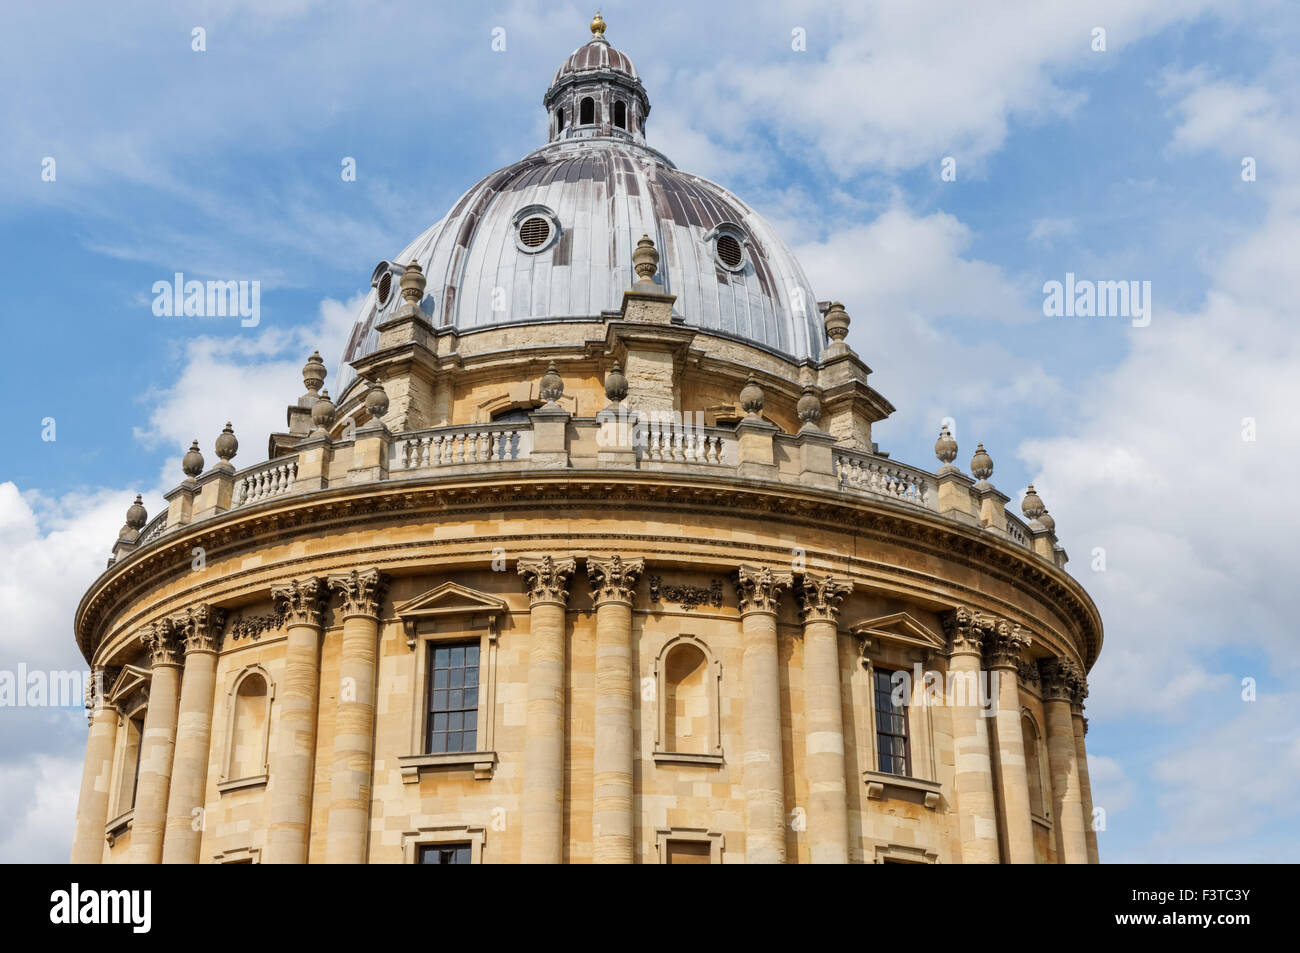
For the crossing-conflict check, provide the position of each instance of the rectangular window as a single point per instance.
(453, 698)
(689, 852)
(891, 727)
(134, 738)
(445, 854)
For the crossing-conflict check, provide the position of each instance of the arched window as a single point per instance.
(1033, 766)
(587, 111)
(559, 120)
(620, 114)
(248, 728)
(686, 682)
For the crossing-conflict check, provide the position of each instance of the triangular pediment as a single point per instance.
(130, 678)
(450, 598)
(901, 628)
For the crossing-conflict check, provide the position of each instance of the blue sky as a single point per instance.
(1122, 164)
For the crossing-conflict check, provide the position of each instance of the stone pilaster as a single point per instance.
(302, 601)
(1004, 650)
(361, 592)
(970, 735)
(613, 588)
(1061, 680)
(157, 743)
(199, 628)
(96, 774)
(820, 596)
(1085, 786)
(759, 589)
(547, 581)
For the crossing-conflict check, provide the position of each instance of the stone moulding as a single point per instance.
(372, 504)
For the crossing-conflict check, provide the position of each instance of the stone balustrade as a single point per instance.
(452, 446)
(754, 450)
(884, 477)
(273, 478)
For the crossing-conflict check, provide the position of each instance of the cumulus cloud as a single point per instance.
(257, 376)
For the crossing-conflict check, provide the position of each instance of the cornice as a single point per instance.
(260, 524)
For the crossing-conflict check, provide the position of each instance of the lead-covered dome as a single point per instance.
(551, 236)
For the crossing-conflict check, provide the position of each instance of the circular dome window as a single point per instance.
(385, 288)
(534, 232)
(729, 251)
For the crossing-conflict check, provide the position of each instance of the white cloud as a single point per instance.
(897, 85)
(1046, 231)
(257, 375)
(1231, 783)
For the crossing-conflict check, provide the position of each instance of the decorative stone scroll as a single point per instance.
(160, 641)
(252, 627)
(546, 577)
(687, 597)
(1062, 679)
(759, 588)
(362, 591)
(967, 629)
(820, 595)
(301, 600)
(200, 627)
(614, 578)
(1004, 645)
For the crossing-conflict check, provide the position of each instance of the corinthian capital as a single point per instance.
(820, 595)
(759, 588)
(362, 591)
(1005, 643)
(1062, 680)
(613, 578)
(159, 639)
(301, 600)
(547, 578)
(967, 628)
(199, 627)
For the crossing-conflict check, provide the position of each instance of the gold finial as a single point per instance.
(597, 25)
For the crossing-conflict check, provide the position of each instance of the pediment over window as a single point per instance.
(449, 599)
(899, 628)
(130, 679)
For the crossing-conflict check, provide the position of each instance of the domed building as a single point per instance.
(590, 558)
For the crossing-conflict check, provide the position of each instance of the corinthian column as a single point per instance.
(200, 629)
(613, 586)
(96, 774)
(354, 722)
(828, 810)
(970, 736)
(156, 743)
(1004, 648)
(1061, 680)
(759, 590)
(295, 738)
(547, 580)
(1085, 786)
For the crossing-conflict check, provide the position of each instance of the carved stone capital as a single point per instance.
(820, 595)
(967, 629)
(97, 686)
(613, 578)
(1005, 644)
(759, 588)
(361, 590)
(1062, 679)
(160, 641)
(302, 601)
(547, 578)
(199, 627)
